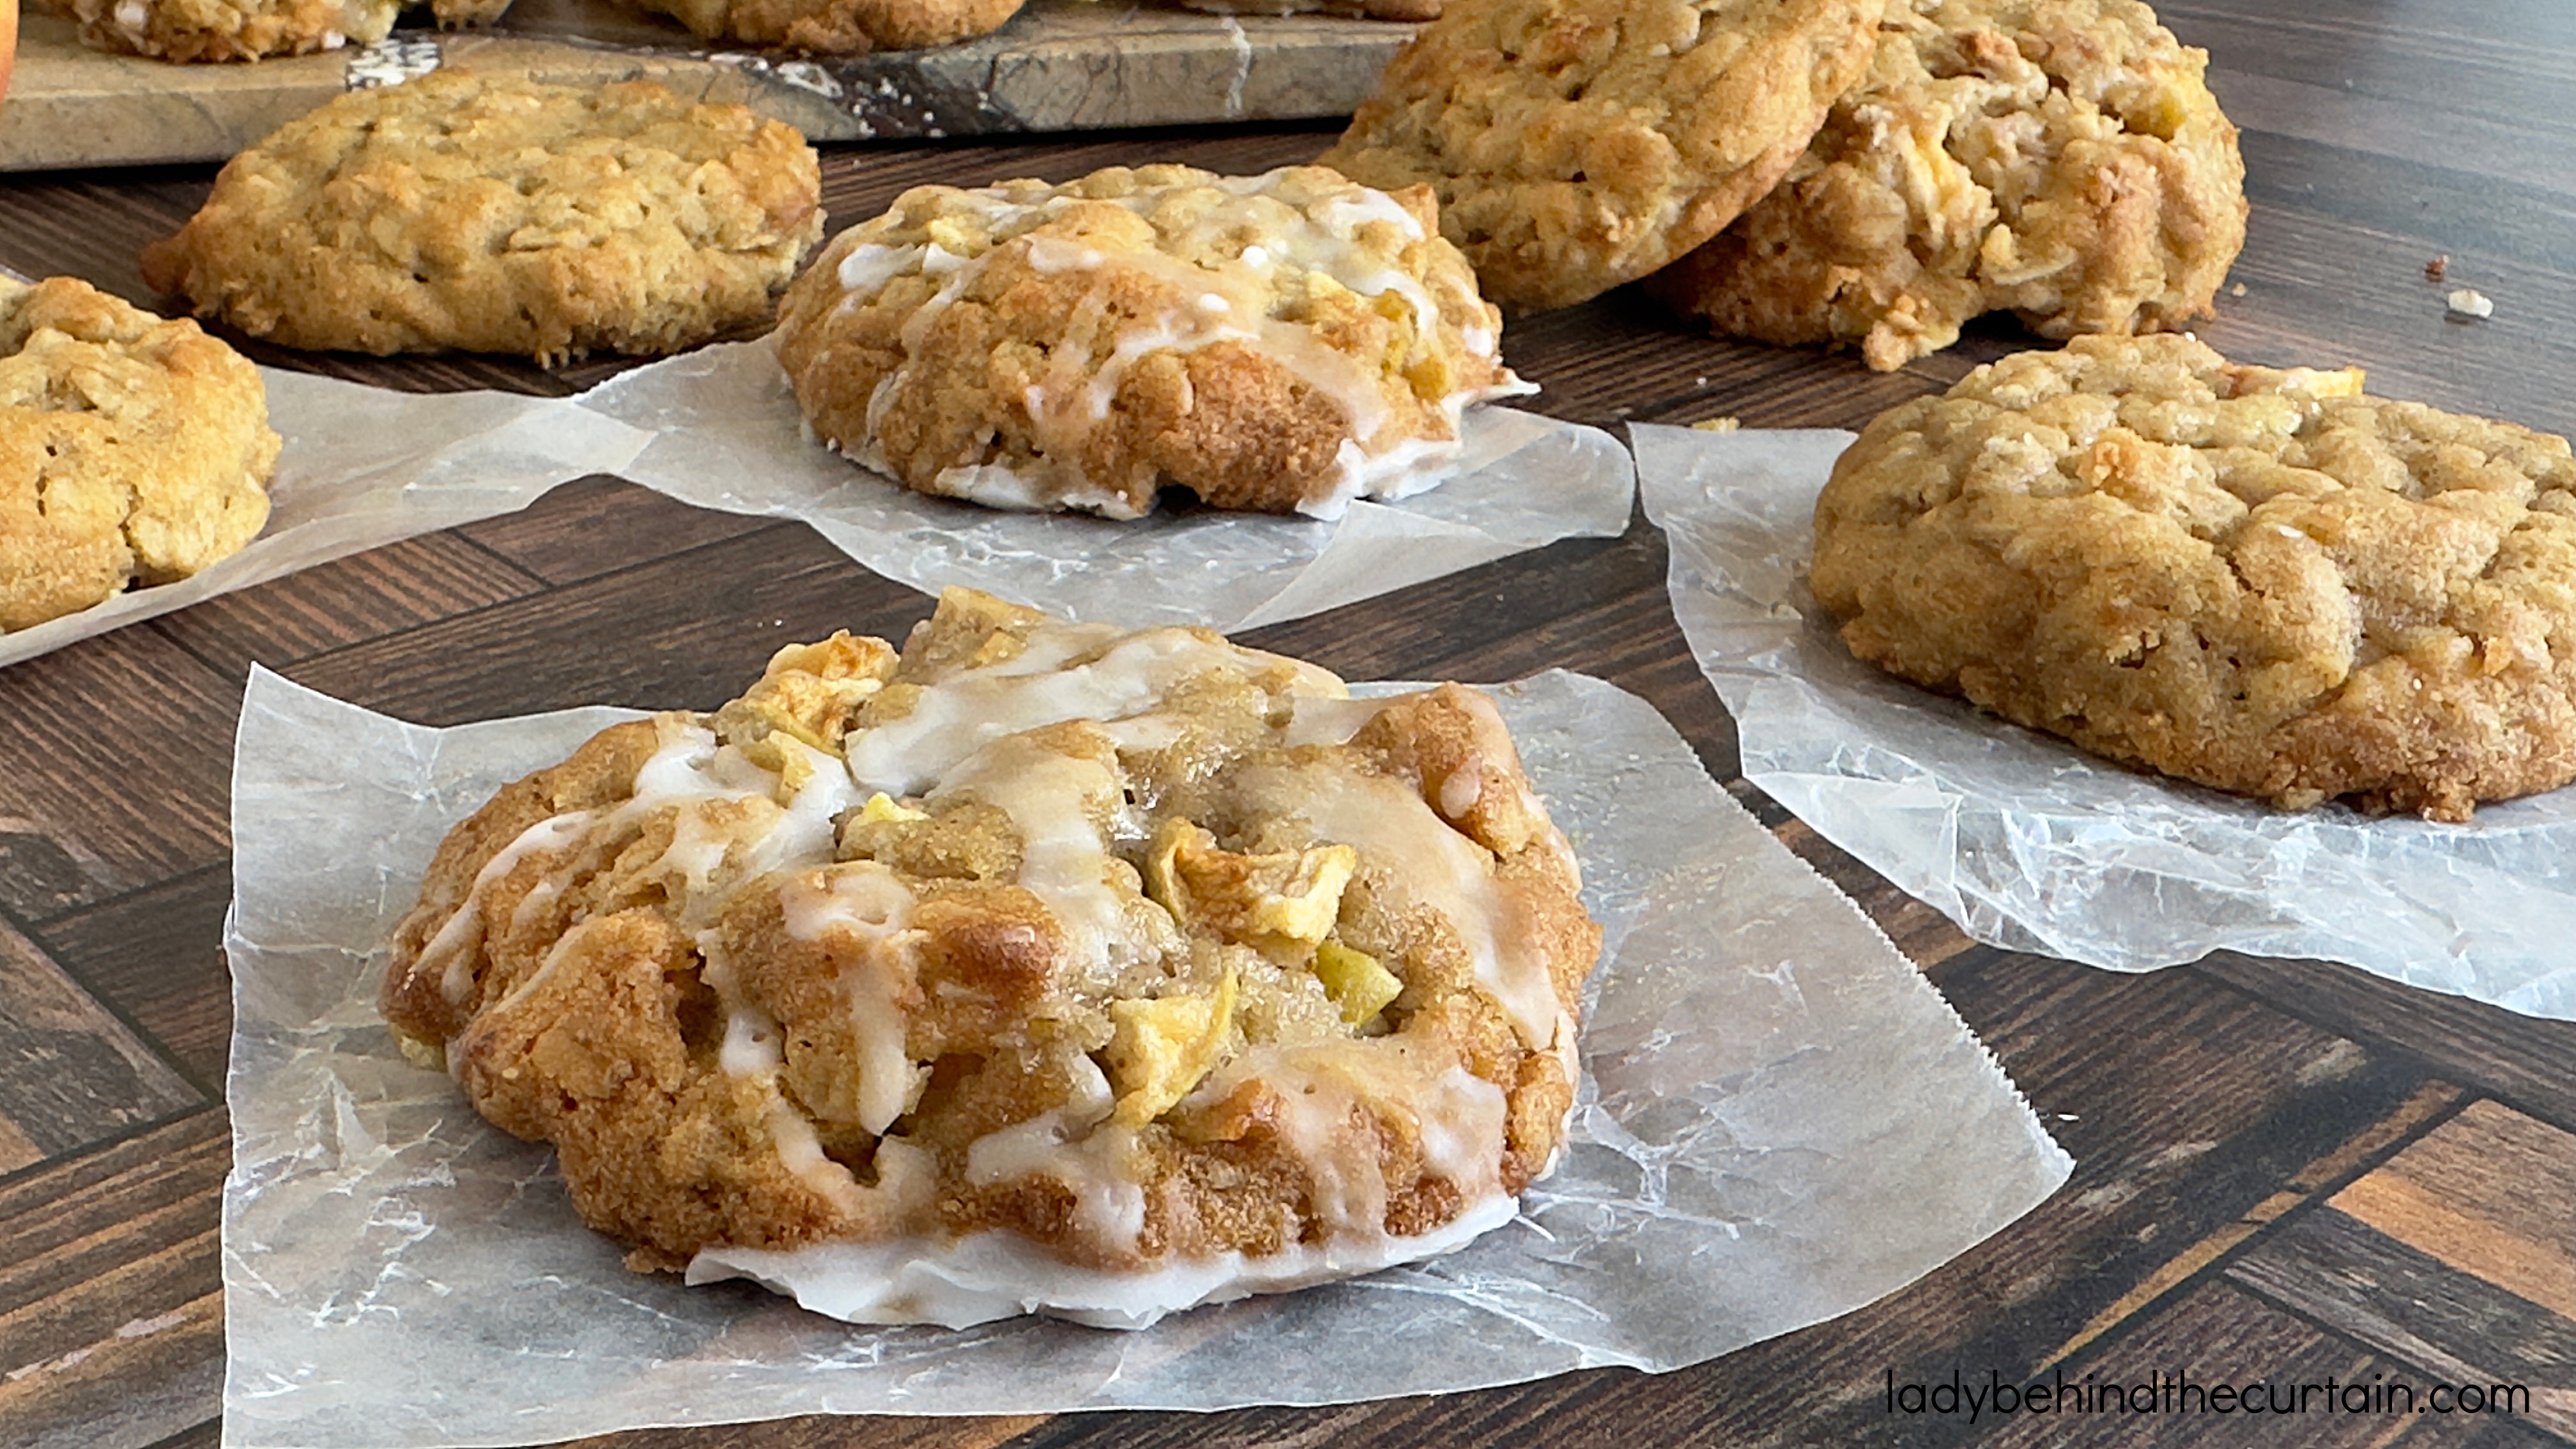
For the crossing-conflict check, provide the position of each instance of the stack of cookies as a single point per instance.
(1848, 172)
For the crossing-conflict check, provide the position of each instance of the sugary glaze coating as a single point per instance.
(501, 215)
(838, 27)
(1281, 342)
(2264, 581)
(1579, 144)
(133, 449)
(2061, 159)
(1044, 966)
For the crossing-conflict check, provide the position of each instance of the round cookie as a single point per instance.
(838, 27)
(215, 30)
(2263, 581)
(1281, 342)
(1045, 966)
(133, 449)
(1357, 9)
(2061, 159)
(1579, 144)
(497, 215)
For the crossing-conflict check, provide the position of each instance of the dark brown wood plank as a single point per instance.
(344, 602)
(115, 770)
(665, 649)
(157, 956)
(111, 1307)
(71, 1074)
(2412, 1306)
(2522, 1060)
(598, 525)
(1625, 358)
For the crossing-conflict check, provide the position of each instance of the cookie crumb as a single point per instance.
(1717, 425)
(2437, 268)
(2469, 302)
(2237, 290)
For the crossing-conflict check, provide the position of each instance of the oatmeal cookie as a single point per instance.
(1354, 9)
(2061, 159)
(499, 215)
(1579, 144)
(132, 449)
(1043, 966)
(2264, 581)
(1280, 342)
(838, 27)
(211, 30)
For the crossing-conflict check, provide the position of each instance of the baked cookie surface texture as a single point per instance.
(1284, 342)
(496, 215)
(1579, 144)
(133, 449)
(2061, 159)
(838, 27)
(214, 30)
(1043, 967)
(2264, 581)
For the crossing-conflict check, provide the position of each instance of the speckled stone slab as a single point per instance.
(1060, 65)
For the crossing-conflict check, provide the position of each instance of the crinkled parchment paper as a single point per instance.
(2027, 842)
(363, 466)
(1783, 1122)
(728, 435)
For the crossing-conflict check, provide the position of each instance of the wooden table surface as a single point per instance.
(2287, 1171)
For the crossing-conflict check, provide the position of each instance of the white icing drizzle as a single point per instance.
(802, 1153)
(1391, 826)
(464, 926)
(864, 910)
(1326, 1094)
(1325, 721)
(1460, 792)
(1340, 235)
(968, 710)
(1051, 799)
(751, 1046)
(1108, 1202)
(992, 1275)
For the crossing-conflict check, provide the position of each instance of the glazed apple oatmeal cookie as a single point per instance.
(1043, 967)
(1579, 144)
(2264, 581)
(133, 449)
(2061, 159)
(501, 215)
(1281, 342)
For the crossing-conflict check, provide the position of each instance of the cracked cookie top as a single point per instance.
(838, 27)
(1039, 966)
(1579, 144)
(501, 215)
(1282, 342)
(216, 30)
(133, 449)
(2061, 159)
(2265, 581)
